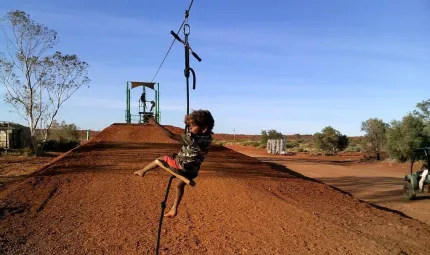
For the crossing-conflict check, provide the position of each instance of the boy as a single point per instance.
(195, 146)
(425, 172)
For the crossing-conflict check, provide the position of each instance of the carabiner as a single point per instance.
(187, 29)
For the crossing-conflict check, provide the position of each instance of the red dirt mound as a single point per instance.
(135, 133)
(89, 202)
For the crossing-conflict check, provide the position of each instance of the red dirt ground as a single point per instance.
(378, 182)
(89, 202)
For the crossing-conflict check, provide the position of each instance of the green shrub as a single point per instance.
(26, 151)
(261, 146)
(250, 143)
(315, 152)
(291, 144)
(217, 142)
(354, 148)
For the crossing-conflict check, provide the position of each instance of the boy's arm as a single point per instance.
(166, 132)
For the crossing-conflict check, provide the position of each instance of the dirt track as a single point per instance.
(89, 202)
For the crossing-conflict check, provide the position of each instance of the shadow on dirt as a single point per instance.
(385, 189)
(340, 162)
(338, 181)
(390, 187)
(124, 158)
(422, 198)
(120, 157)
(117, 146)
(5, 181)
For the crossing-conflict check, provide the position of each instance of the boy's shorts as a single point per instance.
(171, 161)
(175, 167)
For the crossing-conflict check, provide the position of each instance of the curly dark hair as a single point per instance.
(201, 118)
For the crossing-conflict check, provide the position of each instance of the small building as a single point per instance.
(14, 136)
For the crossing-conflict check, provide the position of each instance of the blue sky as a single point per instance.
(293, 66)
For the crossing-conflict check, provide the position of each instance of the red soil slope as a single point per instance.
(89, 202)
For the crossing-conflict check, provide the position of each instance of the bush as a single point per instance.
(61, 145)
(405, 136)
(330, 140)
(26, 151)
(250, 143)
(354, 148)
(217, 142)
(315, 152)
(291, 144)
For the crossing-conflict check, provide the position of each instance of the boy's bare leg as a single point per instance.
(142, 171)
(179, 193)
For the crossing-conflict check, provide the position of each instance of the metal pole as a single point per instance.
(126, 103)
(156, 106)
(234, 134)
(144, 102)
(128, 117)
(158, 102)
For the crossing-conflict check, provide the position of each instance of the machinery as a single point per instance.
(420, 162)
(145, 111)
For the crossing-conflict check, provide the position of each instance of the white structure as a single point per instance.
(13, 136)
(276, 146)
(5, 137)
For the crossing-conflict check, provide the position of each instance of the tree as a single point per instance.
(330, 140)
(424, 113)
(405, 136)
(63, 131)
(423, 110)
(271, 134)
(376, 131)
(70, 132)
(37, 83)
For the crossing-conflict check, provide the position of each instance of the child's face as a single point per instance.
(194, 129)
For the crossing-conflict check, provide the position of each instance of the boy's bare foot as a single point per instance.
(140, 173)
(172, 213)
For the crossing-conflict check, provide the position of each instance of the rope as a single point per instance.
(163, 206)
(185, 22)
(187, 13)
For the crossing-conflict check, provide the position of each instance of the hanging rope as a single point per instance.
(163, 206)
(187, 71)
(171, 45)
(188, 49)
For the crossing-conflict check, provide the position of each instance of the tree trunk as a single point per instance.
(378, 156)
(34, 145)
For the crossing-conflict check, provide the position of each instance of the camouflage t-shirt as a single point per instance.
(193, 152)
